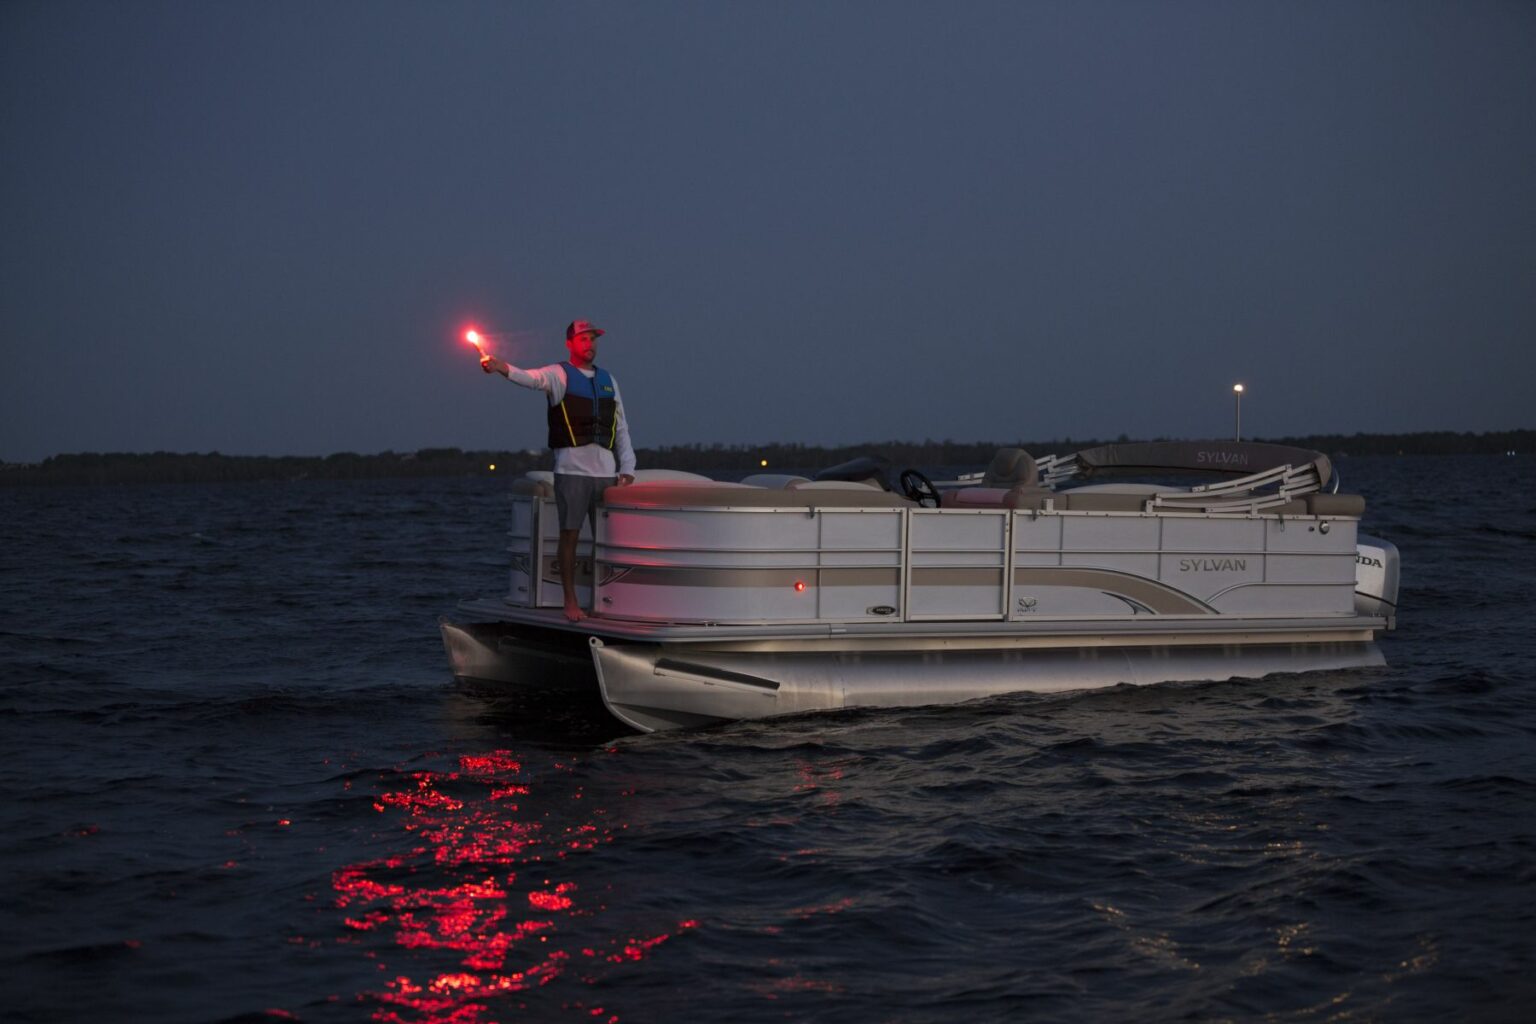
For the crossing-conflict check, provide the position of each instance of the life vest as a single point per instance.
(589, 412)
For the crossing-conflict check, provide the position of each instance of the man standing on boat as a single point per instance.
(587, 429)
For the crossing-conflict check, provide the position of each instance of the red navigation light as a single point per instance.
(799, 586)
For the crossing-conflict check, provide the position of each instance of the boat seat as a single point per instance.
(1308, 505)
(1144, 489)
(1102, 501)
(975, 497)
(835, 485)
(774, 480)
(643, 476)
(1024, 496)
(724, 495)
(1316, 503)
(1010, 468)
(1083, 499)
(1321, 504)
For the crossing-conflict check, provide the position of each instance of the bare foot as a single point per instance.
(573, 611)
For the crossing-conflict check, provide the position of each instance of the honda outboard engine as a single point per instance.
(1376, 578)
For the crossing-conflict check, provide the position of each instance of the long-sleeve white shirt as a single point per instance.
(588, 459)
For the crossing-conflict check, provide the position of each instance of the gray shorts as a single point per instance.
(576, 498)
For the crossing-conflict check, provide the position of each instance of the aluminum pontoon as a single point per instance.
(713, 601)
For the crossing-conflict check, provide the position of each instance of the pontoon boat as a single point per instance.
(712, 601)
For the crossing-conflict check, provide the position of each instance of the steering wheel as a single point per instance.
(919, 488)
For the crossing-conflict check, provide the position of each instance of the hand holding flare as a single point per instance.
(489, 364)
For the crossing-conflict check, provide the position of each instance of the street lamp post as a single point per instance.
(1237, 424)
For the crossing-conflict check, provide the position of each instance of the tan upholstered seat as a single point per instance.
(722, 495)
(1010, 467)
(774, 480)
(976, 497)
(1321, 504)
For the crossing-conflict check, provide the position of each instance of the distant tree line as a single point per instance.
(737, 459)
(213, 467)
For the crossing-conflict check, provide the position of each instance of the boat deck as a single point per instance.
(976, 635)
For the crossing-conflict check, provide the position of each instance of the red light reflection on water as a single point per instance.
(820, 780)
(468, 916)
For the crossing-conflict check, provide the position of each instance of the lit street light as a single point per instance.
(1237, 394)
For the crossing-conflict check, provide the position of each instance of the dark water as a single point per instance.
(240, 785)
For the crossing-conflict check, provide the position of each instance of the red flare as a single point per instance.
(473, 337)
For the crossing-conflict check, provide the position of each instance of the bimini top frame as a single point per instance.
(1260, 478)
(1253, 463)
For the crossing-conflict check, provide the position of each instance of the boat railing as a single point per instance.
(695, 553)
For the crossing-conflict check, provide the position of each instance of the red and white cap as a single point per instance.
(582, 327)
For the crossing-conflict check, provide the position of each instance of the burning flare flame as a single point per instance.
(473, 337)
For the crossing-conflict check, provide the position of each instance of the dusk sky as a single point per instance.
(261, 228)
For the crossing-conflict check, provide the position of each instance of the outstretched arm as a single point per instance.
(546, 378)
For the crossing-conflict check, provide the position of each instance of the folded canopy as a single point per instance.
(1231, 458)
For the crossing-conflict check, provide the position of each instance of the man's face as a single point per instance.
(583, 347)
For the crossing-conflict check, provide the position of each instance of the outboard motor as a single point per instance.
(865, 469)
(1376, 578)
